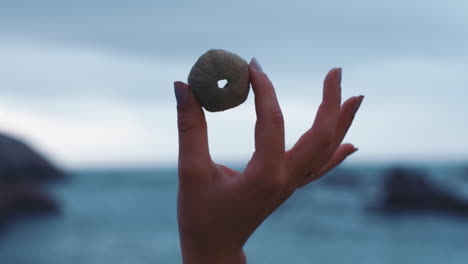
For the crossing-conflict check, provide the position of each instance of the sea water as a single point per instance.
(129, 216)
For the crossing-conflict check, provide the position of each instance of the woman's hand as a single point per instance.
(219, 208)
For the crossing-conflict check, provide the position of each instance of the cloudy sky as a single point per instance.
(90, 82)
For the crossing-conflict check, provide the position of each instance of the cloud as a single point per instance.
(87, 107)
(91, 83)
(322, 30)
(46, 72)
(112, 135)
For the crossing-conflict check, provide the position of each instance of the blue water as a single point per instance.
(129, 216)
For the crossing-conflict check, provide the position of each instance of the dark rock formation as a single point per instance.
(24, 198)
(406, 190)
(22, 172)
(18, 161)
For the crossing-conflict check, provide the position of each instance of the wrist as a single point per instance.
(196, 255)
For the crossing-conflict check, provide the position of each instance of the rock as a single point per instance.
(24, 198)
(215, 65)
(18, 161)
(407, 190)
(22, 174)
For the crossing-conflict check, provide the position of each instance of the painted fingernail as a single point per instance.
(338, 75)
(255, 65)
(181, 93)
(358, 103)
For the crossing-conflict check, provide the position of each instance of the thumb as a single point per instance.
(193, 137)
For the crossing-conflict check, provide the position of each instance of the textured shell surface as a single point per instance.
(215, 65)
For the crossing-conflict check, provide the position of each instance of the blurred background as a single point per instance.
(88, 85)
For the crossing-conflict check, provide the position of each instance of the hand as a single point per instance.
(219, 208)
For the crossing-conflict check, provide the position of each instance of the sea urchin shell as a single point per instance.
(215, 65)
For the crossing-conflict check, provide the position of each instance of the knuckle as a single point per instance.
(328, 142)
(277, 118)
(326, 138)
(186, 123)
(272, 185)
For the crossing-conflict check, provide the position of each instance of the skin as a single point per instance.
(219, 208)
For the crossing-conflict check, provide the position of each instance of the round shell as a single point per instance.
(215, 65)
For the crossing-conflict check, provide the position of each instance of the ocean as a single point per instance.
(129, 216)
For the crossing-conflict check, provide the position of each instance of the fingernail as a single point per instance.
(180, 93)
(358, 103)
(338, 75)
(255, 65)
(355, 149)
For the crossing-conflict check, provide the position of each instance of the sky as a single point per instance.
(89, 83)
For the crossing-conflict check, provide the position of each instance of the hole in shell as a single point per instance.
(222, 83)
